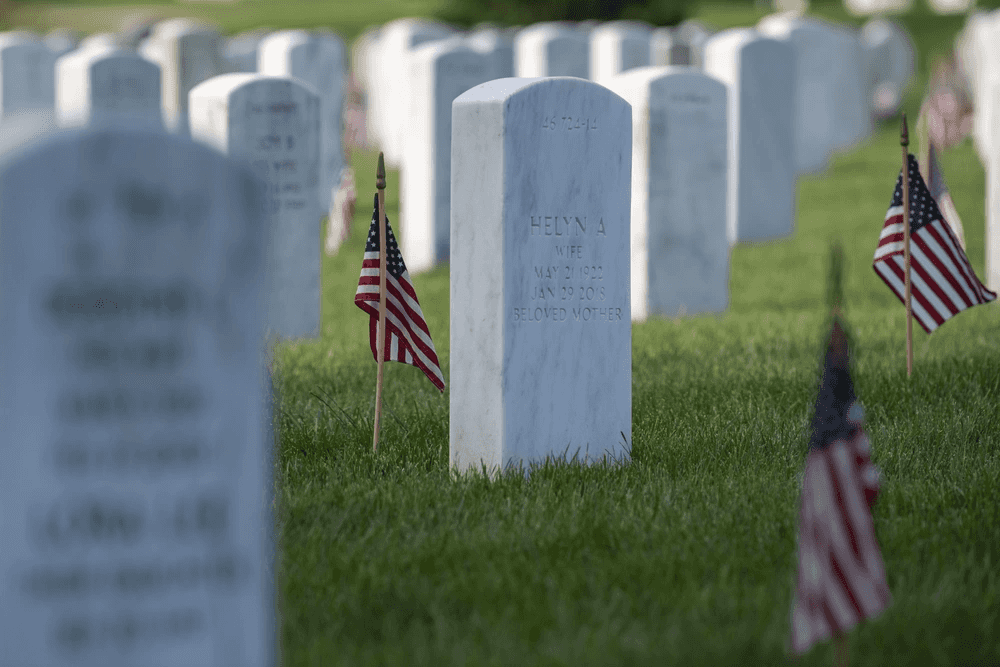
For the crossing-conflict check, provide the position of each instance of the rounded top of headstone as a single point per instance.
(734, 38)
(489, 38)
(552, 30)
(225, 85)
(636, 28)
(178, 27)
(452, 44)
(502, 90)
(692, 31)
(101, 52)
(409, 28)
(136, 27)
(285, 39)
(100, 40)
(62, 40)
(650, 75)
(19, 37)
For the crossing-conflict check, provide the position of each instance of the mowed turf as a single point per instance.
(686, 554)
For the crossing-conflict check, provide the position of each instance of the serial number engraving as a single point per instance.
(568, 123)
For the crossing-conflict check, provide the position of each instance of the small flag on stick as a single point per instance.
(841, 576)
(943, 282)
(408, 339)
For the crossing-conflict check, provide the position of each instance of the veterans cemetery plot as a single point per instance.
(137, 431)
(273, 123)
(540, 324)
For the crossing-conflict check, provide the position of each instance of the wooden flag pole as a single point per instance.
(382, 243)
(904, 141)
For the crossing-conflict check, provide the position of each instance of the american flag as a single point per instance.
(409, 339)
(942, 281)
(941, 196)
(841, 577)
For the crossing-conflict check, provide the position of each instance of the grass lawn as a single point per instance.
(686, 555)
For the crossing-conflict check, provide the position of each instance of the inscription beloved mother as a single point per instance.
(540, 252)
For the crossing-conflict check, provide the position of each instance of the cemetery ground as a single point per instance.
(687, 554)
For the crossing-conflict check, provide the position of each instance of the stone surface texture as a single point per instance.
(317, 59)
(27, 75)
(540, 326)
(680, 251)
(272, 123)
(552, 49)
(106, 86)
(832, 110)
(188, 53)
(138, 444)
(759, 73)
(439, 73)
(498, 45)
(617, 46)
(389, 90)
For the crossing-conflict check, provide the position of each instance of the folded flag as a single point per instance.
(942, 282)
(841, 577)
(408, 338)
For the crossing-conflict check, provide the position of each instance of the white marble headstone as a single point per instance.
(101, 40)
(273, 123)
(107, 86)
(364, 54)
(137, 440)
(439, 73)
(389, 90)
(889, 61)
(499, 46)
(617, 46)
(832, 111)
(680, 251)
(27, 75)
(541, 352)
(759, 73)
(693, 35)
(240, 50)
(870, 7)
(666, 48)
(317, 59)
(552, 49)
(62, 40)
(187, 53)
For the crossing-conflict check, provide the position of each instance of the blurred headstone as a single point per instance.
(680, 251)
(551, 49)
(439, 73)
(188, 52)
(272, 123)
(137, 475)
(618, 46)
(759, 73)
(106, 86)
